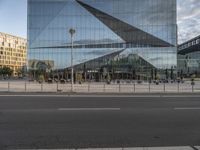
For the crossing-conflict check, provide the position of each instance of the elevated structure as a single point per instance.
(190, 46)
(189, 58)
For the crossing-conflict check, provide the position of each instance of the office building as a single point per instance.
(13, 52)
(123, 39)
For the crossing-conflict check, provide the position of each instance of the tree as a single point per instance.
(181, 75)
(155, 74)
(172, 73)
(1, 71)
(21, 71)
(6, 71)
(152, 74)
(166, 74)
(41, 78)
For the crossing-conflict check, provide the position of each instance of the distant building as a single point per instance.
(40, 66)
(189, 58)
(13, 52)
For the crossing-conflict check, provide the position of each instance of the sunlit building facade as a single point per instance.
(13, 53)
(129, 39)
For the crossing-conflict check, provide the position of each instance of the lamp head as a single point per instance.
(72, 31)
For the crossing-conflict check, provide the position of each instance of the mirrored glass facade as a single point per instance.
(131, 39)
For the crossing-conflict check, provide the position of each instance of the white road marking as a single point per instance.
(187, 108)
(135, 148)
(89, 109)
(79, 95)
(197, 147)
(59, 109)
(28, 110)
(115, 96)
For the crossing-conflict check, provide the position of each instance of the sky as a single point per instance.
(13, 14)
(188, 19)
(13, 17)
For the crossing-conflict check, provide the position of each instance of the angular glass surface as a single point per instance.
(105, 29)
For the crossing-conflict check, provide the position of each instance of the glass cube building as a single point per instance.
(122, 39)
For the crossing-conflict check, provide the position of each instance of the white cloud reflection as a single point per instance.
(188, 19)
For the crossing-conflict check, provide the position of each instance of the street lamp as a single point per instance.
(72, 32)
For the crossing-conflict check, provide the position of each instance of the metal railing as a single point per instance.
(94, 87)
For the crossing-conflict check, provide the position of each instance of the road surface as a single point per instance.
(98, 121)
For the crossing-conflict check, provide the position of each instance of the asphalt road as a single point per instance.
(89, 122)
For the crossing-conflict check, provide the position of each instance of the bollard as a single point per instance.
(8, 86)
(178, 87)
(192, 83)
(57, 86)
(88, 87)
(134, 87)
(25, 87)
(41, 87)
(149, 87)
(192, 88)
(119, 88)
(164, 87)
(104, 88)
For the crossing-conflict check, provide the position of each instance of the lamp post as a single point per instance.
(72, 32)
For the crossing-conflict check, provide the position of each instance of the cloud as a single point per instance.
(188, 19)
